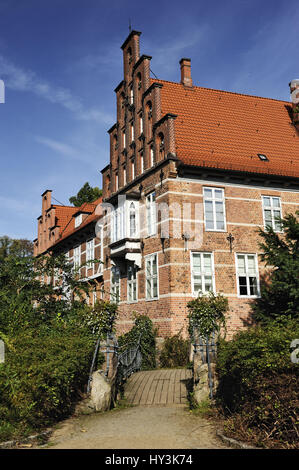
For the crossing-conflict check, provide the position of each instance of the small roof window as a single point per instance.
(78, 220)
(263, 157)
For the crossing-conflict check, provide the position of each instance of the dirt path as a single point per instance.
(161, 419)
(138, 427)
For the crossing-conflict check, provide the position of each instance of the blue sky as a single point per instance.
(61, 60)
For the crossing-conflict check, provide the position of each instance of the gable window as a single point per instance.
(151, 216)
(125, 175)
(214, 209)
(133, 169)
(272, 211)
(202, 273)
(131, 95)
(78, 220)
(115, 284)
(151, 156)
(124, 139)
(89, 252)
(141, 163)
(132, 132)
(161, 144)
(247, 275)
(116, 181)
(151, 270)
(132, 283)
(141, 124)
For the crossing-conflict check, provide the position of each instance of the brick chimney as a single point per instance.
(186, 79)
(294, 90)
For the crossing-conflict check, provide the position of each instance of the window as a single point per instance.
(141, 124)
(151, 214)
(133, 169)
(141, 163)
(272, 210)
(125, 175)
(151, 156)
(214, 209)
(77, 256)
(131, 95)
(202, 274)
(151, 277)
(116, 181)
(161, 144)
(115, 284)
(132, 216)
(132, 283)
(124, 139)
(89, 252)
(247, 275)
(118, 223)
(78, 220)
(132, 132)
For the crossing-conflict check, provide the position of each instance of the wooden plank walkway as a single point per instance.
(161, 387)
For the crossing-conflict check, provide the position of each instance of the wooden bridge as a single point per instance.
(161, 387)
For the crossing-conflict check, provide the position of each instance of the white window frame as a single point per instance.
(151, 214)
(202, 272)
(152, 276)
(272, 209)
(213, 199)
(77, 256)
(89, 253)
(78, 220)
(132, 210)
(132, 284)
(113, 286)
(247, 276)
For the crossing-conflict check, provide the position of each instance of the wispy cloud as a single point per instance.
(19, 79)
(64, 149)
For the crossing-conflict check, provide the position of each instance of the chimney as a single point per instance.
(294, 90)
(186, 79)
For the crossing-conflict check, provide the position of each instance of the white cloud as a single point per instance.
(18, 79)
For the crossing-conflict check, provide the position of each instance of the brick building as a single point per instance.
(193, 173)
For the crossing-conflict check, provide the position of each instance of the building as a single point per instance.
(193, 173)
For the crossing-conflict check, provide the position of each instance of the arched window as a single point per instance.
(132, 213)
(161, 146)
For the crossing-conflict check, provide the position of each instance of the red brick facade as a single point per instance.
(211, 193)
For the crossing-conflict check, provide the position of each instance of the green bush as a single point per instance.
(207, 314)
(258, 383)
(42, 377)
(143, 329)
(175, 352)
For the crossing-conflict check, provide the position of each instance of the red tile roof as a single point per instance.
(66, 221)
(226, 130)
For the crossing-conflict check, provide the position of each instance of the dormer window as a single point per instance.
(78, 220)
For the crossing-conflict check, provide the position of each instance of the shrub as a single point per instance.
(143, 329)
(206, 313)
(258, 383)
(175, 352)
(42, 377)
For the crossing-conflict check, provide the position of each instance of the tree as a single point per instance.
(86, 194)
(20, 247)
(280, 292)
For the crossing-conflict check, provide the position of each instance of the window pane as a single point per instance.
(218, 194)
(253, 285)
(155, 287)
(207, 193)
(148, 289)
(154, 265)
(276, 202)
(266, 201)
(196, 261)
(242, 286)
(251, 265)
(241, 264)
(207, 259)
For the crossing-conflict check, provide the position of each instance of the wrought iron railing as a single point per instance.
(129, 361)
